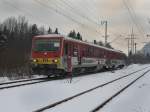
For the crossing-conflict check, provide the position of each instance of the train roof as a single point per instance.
(75, 40)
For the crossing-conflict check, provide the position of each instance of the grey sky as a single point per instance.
(85, 16)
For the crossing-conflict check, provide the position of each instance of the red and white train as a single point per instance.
(57, 54)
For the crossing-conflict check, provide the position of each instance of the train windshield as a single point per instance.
(46, 45)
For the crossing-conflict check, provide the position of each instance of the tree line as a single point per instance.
(16, 39)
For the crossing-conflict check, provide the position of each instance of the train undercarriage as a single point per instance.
(52, 70)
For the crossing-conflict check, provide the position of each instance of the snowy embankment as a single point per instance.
(89, 101)
(135, 99)
(29, 98)
(6, 79)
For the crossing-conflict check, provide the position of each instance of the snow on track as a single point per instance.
(29, 98)
(21, 83)
(135, 99)
(96, 97)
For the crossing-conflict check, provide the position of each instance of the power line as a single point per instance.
(77, 12)
(65, 15)
(134, 14)
(87, 8)
(26, 12)
(59, 12)
(84, 8)
(115, 39)
(132, 17)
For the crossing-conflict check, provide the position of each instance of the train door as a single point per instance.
(68, 57)
(79, 54)
(75, 54)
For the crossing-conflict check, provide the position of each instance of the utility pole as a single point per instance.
(132, 42)
(135, 47)
(128, 45)
(105, 22)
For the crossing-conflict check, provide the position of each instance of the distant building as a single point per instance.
(146, 49)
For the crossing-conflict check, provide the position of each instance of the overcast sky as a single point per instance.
(85, 16)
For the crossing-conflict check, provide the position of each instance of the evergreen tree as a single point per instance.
(70, 34)
(79, 37)
(56, 31)
(49, 31)
(95, 42)
(108, 46)
(34, 30)
(74, 34)
(100, 43)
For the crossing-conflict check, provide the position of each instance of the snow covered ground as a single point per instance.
(32, 97)
(6, 79)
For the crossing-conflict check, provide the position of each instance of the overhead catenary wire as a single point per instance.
(28, 13)
(24, 11)
(132, 17)
(43, 20)
(135, 15)
(65, 15)
(75, 11)
(84, 7)
(58, 11)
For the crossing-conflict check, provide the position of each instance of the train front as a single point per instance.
(46, 55)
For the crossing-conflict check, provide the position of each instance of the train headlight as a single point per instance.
(55, 61)
(34, 60)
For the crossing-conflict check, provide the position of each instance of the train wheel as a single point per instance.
(63, 74)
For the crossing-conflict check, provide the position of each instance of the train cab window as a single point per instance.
(47, 45)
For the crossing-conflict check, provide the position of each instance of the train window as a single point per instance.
(88, 51)
(66, 49)
(84, 51)
(75, 50)
(46, 44)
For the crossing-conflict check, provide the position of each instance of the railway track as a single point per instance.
(117, 93)
(94, 88)
(24, 82)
